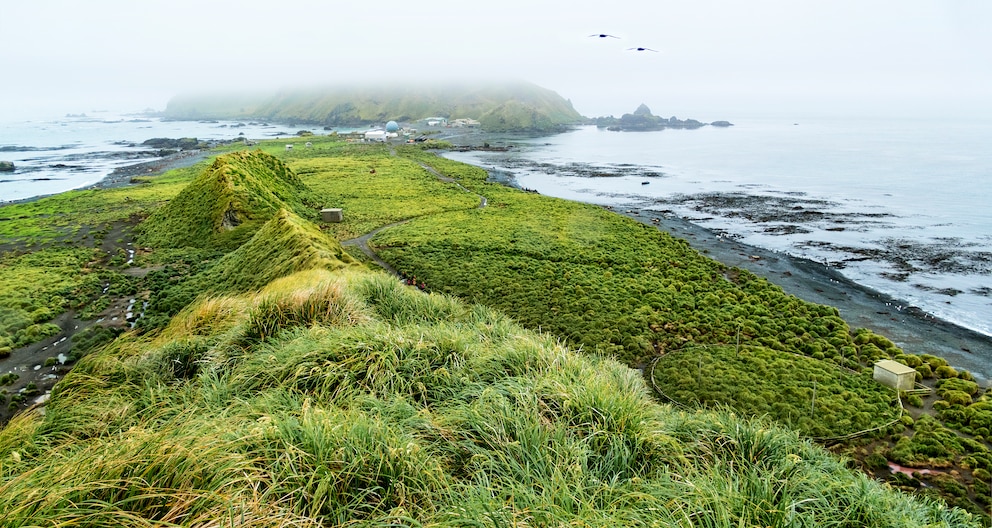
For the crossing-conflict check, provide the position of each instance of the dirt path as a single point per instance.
(362, 242)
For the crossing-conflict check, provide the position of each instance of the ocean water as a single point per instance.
(55, 155)
(902, 206)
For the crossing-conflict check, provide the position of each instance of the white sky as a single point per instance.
(715, 60)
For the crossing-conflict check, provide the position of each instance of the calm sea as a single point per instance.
(55, 155)
(901, 206)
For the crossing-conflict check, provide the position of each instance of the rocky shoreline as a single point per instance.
(126, 175)
(912, 329)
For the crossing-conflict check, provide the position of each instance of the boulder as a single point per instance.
(169, 143)
(6, 166)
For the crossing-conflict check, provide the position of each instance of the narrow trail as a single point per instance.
(362, 242)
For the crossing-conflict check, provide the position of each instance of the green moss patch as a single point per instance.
(35, 287)
(814, 397)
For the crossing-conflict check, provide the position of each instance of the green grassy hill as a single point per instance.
(281, 383)
(227, 203)
(499, 106)
(284, 245)
(333, 398)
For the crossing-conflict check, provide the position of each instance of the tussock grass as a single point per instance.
(228, 202)
(812, 396)
(283, 245)
(369, 403)
(315, 303)
(399, 189)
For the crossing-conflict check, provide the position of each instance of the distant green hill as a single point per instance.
(228, 202)
(498, 106)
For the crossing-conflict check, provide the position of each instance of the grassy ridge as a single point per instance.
(371, 403)
(499, 106)
(227, 203)
(285, 245)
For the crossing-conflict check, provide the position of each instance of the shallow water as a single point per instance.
(899, 206)
(57, 155)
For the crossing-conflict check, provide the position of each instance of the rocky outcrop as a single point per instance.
(6, 166)
(643, 120)
(169, 143)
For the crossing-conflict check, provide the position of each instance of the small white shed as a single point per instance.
(376, 135)
(895, 375)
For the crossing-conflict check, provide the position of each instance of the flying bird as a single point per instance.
(603, 35)
(642, 49)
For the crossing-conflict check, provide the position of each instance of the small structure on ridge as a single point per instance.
(895, 375)
(331, 215)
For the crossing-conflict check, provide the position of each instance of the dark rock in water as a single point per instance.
(169, 143)
(6, 166)
(643, 120)
(721, 124)
(642, 110)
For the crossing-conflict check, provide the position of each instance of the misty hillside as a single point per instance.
(498, 106)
